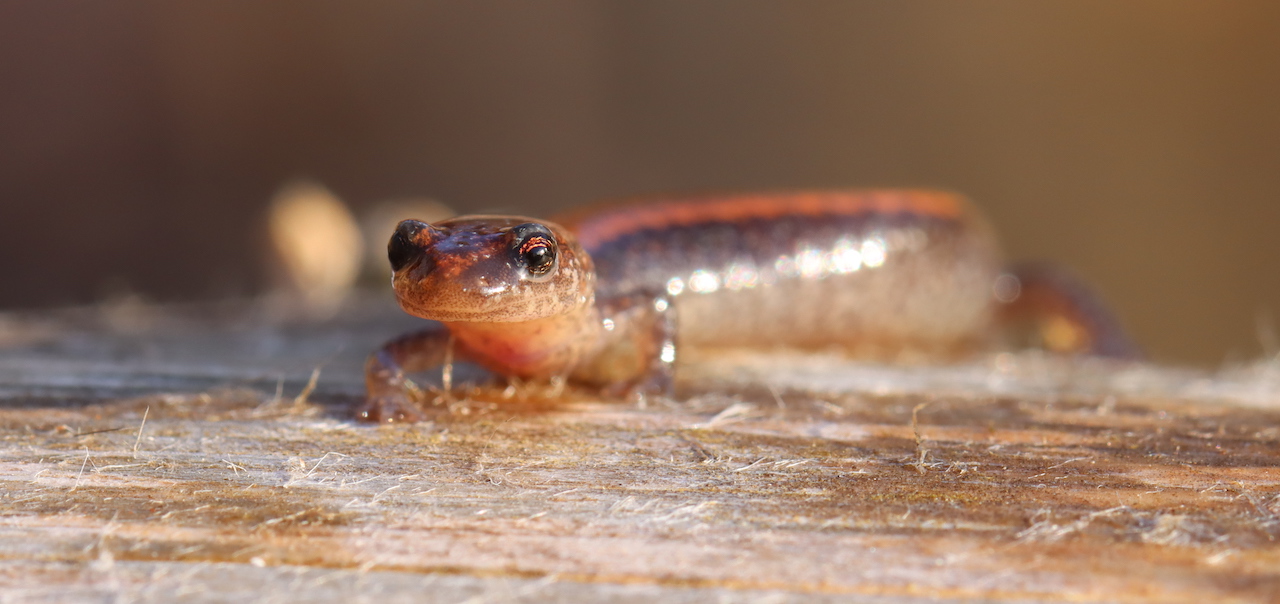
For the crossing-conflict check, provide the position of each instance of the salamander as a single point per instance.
(612, 295)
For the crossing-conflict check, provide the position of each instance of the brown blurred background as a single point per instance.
(1138, 142)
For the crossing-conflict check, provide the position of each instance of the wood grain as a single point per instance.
(783, 476)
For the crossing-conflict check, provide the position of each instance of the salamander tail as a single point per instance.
(1046, 306)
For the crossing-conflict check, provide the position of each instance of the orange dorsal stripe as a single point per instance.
(600, 223)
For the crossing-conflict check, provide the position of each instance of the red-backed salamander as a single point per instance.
(612, 295)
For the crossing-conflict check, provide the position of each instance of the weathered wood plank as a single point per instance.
(1021, 478)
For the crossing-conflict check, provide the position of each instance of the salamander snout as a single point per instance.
(408, 243)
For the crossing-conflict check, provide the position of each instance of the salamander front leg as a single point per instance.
(660, 377)
(390, 395)
(640, 355)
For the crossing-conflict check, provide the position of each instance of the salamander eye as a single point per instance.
(535, 249)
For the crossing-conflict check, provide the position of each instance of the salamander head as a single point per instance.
(489, 268)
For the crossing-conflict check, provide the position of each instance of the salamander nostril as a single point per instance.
(404, 249)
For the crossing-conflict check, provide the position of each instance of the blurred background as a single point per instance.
(141, 143)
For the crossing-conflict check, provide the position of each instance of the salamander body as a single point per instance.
(612, 295)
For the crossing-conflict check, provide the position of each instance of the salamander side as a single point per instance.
(877, 272)
(152, 452)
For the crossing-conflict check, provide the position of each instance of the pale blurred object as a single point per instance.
(319, 245)
(380, 221)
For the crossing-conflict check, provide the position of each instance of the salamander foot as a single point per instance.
(390, 409)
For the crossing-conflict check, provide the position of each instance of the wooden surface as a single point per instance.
(145, 454)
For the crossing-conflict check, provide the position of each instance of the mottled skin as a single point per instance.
(501, 316)
(603, 299)
(467, 274)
